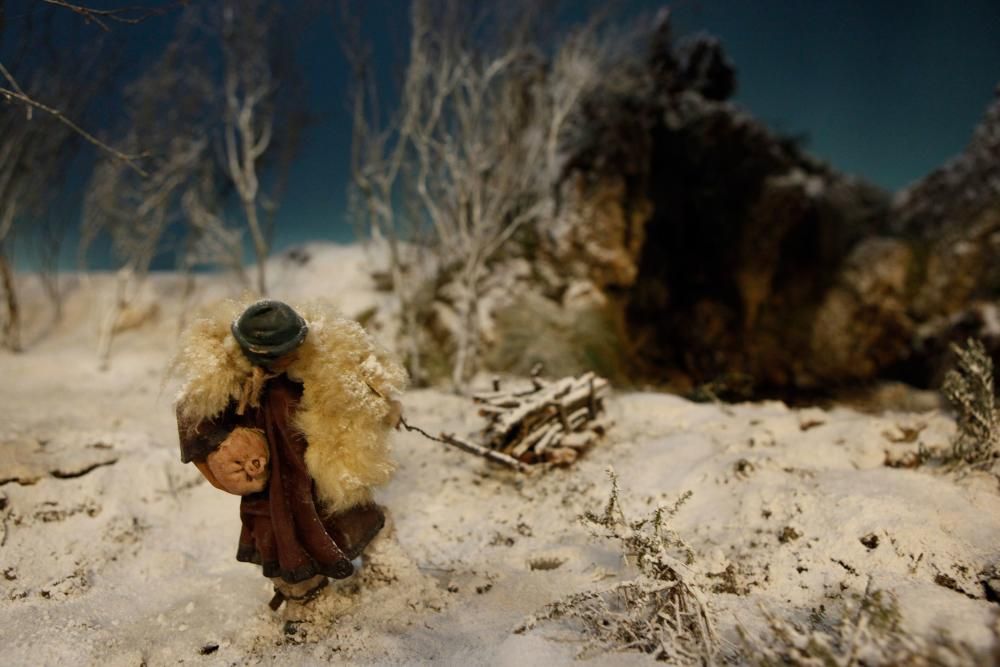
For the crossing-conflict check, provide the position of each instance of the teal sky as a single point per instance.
(885, 89)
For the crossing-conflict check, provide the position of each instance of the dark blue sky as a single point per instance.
(886, 89)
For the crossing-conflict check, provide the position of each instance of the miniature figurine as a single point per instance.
(292, 412)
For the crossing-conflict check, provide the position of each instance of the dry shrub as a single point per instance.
(969, 388)
(867, 633)
(661, 611)
(535, 330)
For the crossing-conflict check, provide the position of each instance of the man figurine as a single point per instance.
(292, 412)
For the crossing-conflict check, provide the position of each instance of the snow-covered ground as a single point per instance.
(113, 552)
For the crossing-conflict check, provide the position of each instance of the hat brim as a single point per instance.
(266, 352)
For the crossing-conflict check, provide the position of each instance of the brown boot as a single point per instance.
(353, 529)
(302, 592)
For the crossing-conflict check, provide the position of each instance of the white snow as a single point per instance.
(132, 561)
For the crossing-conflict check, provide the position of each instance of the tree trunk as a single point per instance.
(260, 245)
(467, 337)
(12, 327)
(121, 301)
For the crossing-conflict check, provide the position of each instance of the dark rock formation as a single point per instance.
(732, 253)
(951, 220)
(705, 68)
(959, 192)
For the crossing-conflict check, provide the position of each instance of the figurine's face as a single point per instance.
(240, 462)
(281, 364)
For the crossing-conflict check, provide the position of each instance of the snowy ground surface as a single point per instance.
(114, 553)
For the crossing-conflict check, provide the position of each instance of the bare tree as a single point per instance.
(45, 95)
(211, 240)
(248, 114)
(379, 152)
(15, 94)
(474, 149)
(165, 112)
(51, 232)
(37, 142)
(136, 213)
(210, 134)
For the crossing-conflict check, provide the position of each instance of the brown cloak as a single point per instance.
(348, 383)
(284, 530)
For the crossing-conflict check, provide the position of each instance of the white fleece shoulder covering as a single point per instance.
(347, 381)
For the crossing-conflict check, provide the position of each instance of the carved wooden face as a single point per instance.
(240, 462)
(281, 364)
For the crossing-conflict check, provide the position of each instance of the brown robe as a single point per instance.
(283, 530)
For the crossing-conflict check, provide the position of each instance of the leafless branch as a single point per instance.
(248, 115)
(213, 241)
(131, 15)
(473, 151)
(34, 153)
(13, 84)
(210, 134)
(14, 93)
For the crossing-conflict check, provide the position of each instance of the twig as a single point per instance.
(486, 453)
(6, 515)
(860, 621)
(119, 15)
(478, 450)
(13, 84)
(10, 94)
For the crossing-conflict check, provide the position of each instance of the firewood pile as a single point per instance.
(550, 422)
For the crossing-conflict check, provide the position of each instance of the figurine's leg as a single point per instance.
(354, 528)
(302, 591)
(382, 552)
(388, 531)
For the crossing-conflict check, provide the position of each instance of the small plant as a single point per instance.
(535, 330)
(969, 388)
(868, 633)
(661, 611)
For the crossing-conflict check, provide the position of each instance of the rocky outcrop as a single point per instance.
(960, 192)
(600, 231)
(951, 220)
(899, 301)
(731, 252)
(690, 245)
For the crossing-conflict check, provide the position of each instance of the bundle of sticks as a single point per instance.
(551, 422)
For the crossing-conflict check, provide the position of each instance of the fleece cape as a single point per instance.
(348, 381)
